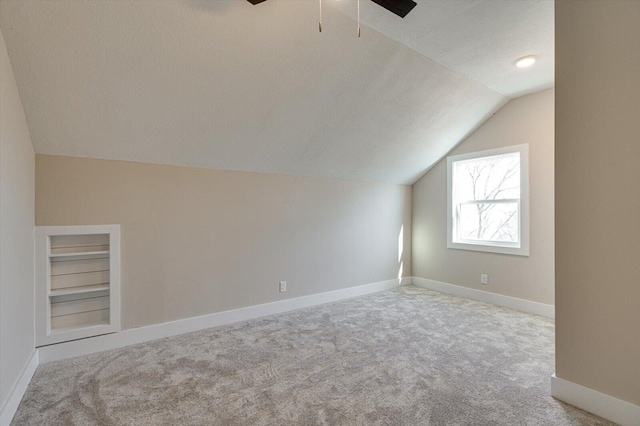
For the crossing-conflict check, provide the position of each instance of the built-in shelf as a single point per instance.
(78, 282)
(78, 290)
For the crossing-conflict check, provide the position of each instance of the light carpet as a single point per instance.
(402, 357)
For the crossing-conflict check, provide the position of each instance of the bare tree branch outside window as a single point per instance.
(487, 194)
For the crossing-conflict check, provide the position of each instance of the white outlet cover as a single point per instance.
(283, 286)
(484, 279)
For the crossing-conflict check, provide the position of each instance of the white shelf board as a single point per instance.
(85, 326)
(78, 254)
(78, 290)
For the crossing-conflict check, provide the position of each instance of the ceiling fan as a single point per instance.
(399, 7)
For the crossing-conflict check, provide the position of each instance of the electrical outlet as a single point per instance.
(283, 286)
(484, 279)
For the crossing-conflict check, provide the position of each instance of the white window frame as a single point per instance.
(521, 249)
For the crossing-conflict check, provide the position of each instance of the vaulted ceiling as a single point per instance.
(226, 85)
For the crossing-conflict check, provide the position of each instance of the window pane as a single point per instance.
(496, 222)
(489, 178)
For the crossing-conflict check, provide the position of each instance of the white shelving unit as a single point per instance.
(77, 282)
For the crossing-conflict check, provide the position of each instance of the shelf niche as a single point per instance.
(78, 282)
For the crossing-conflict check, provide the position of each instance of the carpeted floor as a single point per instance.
(401, 357)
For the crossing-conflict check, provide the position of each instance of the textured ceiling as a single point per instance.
(479, 38)
(227, 85)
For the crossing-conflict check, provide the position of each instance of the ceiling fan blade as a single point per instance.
(399, 7)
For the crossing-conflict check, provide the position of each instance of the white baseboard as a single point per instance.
(157, 331)
(600, 404)
(484, 296)
(10, 405)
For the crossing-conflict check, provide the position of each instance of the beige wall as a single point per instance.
(16, 232)
(598, 195)
(197, 241)
(530, 120)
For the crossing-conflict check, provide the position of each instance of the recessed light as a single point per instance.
(525, 61)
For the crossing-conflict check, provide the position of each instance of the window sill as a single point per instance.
(514, 251)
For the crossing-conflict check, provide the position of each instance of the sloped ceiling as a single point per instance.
(479, 38)
(226, 85)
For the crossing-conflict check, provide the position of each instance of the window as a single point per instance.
(488, 201)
